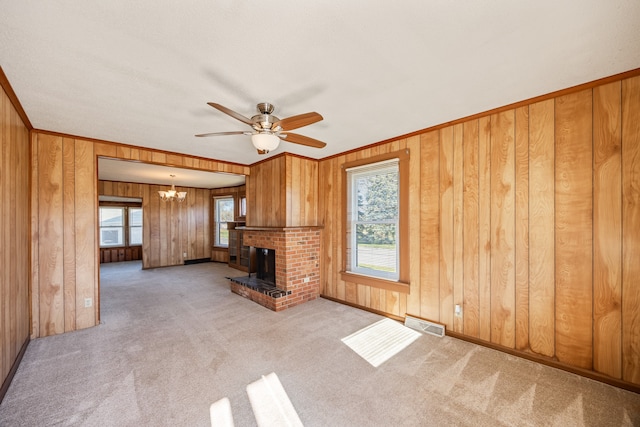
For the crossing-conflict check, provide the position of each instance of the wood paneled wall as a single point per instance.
(64, 203)
(282, 192)
(529, 219)
(169, 229)
(14, 236)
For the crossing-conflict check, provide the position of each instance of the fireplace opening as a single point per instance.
(266, 265)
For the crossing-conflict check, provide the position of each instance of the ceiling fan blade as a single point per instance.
(303, 140)
(231, 113)
(295, 122)
(237, 132)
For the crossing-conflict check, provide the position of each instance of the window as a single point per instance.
(223, 213)
(242, 210)
(111, 226)
(120, 226)
(373, 201)
(376, 222)
(135, 226)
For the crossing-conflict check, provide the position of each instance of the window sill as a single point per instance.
(376, 282)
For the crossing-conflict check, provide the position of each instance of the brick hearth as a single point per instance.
(297, 258)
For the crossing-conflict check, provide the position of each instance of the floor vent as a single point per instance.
(424, 326)
(196, 261)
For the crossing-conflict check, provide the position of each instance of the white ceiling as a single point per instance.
(142, 72)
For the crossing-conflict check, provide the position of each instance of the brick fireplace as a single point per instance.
(297, 266)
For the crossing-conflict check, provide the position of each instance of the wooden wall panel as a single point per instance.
(446, 227)
(284, 192)
(458, 222)
(50, 235)
(14, 235)
(574, 229)
(607, 230)
(470, 258)
(413, 299)
(631, 230)
(268, 207)
(503, 229)
(430, 226)
(541, 230)
(69, 230)
(484, 231)
(522, 227)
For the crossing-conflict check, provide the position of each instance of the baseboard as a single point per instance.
(196, 261)
(13, 370)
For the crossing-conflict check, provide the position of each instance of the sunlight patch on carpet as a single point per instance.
(271, 404)
(220, 413)
(380, 341)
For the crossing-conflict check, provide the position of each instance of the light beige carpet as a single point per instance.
(175, 340)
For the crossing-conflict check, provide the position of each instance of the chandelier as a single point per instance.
(171, 195)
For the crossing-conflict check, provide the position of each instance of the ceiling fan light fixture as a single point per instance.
(265, 141)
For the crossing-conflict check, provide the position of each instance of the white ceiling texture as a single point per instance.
(141, 72)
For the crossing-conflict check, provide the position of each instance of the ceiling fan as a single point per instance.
(268, 129)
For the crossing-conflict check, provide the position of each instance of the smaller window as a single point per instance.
(223, 214)
(135, 226)
(111, 226)
(243, 207)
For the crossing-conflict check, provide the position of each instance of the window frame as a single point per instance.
(129, 226)
(401, 284)
(125, 228)
(216, 222)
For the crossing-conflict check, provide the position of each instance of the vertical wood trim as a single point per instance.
(14, 237)
(192, 221)
(458, 223)
(503, 229)
(69, 238)
(631, 230)
(430, 226)
(200, 223)
(541, 231)
(86, 269)
(607, 230)
(146, 227)
(522, 227)
(413, 299)
(574, 213)
(5, 252)
(35, 245)
(50, 234)
(484, 230)
(470, 310)
(446, 227)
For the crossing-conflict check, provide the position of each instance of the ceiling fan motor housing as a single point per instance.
(262, 122)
